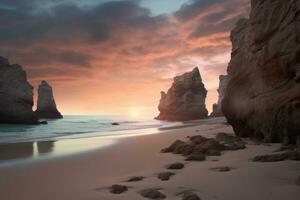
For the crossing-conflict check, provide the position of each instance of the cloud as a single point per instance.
(117, 43)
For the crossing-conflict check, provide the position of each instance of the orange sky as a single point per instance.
(116, 57)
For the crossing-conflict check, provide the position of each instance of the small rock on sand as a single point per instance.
(196, 157)
(190, 196)
(165, 176)
(118, 189)
(213, 152)
(135, 178)
(176, 166)
(271, 157)
(153, 194)
(221, 169)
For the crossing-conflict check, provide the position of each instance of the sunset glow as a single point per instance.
(105, 57)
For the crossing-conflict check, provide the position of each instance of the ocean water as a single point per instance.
(74, 126)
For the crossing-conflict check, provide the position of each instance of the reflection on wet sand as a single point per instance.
(45, 146)
(64, 145)
(25, 149)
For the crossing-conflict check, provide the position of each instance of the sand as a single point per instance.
(88, 176)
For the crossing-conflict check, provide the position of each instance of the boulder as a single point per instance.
(46, 107)
(262, 98)
(16, 95)
(217, 108)
(185, 100)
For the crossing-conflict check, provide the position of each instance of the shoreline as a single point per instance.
(89, 176)
(30, 152)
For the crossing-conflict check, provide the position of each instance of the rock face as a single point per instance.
(16, 95)
(262, 98)
(185, 100)
(46, 107)
(217, 108)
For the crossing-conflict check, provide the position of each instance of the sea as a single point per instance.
(75, 126)
(70, 136)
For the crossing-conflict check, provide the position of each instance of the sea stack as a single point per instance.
(185, 100)
(46, 107)
(262, 98)
(217, 108)
(16, 95)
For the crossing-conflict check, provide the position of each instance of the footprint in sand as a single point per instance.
(188, 195)
(165, 176)
(153, 193)
(118, 189)
(222, 169)
(176, 166)
(135, 179)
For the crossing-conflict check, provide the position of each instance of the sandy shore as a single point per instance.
(88, 176)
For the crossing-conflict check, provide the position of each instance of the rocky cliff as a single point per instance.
(46, 107)
(16, 95)
(185, 100)
(263, 93)
(217, 108)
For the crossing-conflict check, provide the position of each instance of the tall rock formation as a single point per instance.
(16, 95)
(185, 100)
(46, 107)
(217, 108)
(263, 93)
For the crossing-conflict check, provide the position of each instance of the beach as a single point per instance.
(88, 176)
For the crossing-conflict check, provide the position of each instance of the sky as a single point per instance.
(106, 57)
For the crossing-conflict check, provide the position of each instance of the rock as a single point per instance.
(262, 97)
(176, 166)
(190, 196)
(221, 169)
(136, 179)
(115, 124)
(153, 194)
(118, 189)
(230, 142)
(196, 157)
(271, 158)
(185, 100)
(16, 95)
(285, 148)
(210, 144)
(43, 122)
(173, 146)
(213, 152)
(298, 142)
(226, 138)
(217, 108)
(198, 139)
(294, 155)
(46, 107)
(235, 146)
(165, 176)
(185, 149)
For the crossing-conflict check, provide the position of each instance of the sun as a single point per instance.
(134, 112)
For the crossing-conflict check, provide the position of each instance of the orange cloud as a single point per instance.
(116, 55)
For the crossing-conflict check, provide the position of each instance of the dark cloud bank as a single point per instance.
(52, 35)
